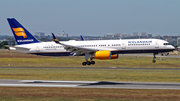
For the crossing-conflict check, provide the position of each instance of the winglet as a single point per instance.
(55, 39)
(82, 38)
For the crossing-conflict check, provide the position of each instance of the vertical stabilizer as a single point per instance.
(21, 35)
(82, 38)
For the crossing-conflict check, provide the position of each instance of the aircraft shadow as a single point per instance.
(116, 83)
(109, 83)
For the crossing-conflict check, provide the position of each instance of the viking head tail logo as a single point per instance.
(20, 32)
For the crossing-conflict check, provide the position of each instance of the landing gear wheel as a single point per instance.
(154, 57)
(84, 63)
(88, 63)
(92, 62)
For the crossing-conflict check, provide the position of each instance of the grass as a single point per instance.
(85, 94)
(92, 75)
(15, 59)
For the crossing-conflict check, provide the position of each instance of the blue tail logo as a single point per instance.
(21, 35)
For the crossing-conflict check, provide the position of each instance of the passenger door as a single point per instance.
(123, 45)
(37, 49)
(156, 46)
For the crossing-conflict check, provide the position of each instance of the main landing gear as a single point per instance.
(154, 57)
(88, 62)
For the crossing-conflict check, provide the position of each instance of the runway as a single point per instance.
(88, 84)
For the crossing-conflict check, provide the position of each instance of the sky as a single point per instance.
(92, 17)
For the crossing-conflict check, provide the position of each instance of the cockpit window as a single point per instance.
(165, 43)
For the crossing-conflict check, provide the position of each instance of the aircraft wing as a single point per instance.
(78, 50)
(75, 49)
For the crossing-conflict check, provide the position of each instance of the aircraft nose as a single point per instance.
(172, 47)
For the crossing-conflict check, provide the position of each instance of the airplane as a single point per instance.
(93, 49)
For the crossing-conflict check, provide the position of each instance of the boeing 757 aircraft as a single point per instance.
(95, 49)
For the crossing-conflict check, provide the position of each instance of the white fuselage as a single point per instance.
(116, 46)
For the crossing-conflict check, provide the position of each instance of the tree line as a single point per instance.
(2, 45)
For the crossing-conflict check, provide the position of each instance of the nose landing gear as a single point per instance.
(154, 57)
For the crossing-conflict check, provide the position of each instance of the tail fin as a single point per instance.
(82, 38)
(21, 35)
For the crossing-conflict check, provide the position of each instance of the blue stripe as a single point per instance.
(54, 54)
(141, 51)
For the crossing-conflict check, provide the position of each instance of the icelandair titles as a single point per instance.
(28, 40)
(139, 41)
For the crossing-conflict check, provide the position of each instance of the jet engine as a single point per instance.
(104, 55)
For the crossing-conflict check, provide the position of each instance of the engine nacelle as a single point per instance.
(104, 55)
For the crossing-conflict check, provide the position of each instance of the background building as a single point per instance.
(135, 34)
(126, 35)
(40, 34)
(149, 35)
(118, 35)
(178, 42)
(63, 34)
(144, 34)
(109, 35)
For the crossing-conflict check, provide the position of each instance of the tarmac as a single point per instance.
(89, 84)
